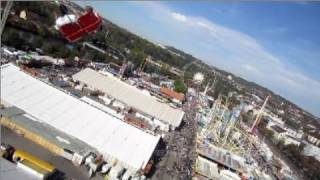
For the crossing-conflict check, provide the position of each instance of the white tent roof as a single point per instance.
(111, 136)
(130, 95)
(207, 168)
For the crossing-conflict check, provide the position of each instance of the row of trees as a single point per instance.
(40, 21)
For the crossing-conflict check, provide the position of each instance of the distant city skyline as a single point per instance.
(274, 44)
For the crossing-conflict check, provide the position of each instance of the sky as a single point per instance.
(275, 44)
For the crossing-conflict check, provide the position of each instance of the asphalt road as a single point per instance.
(17, 141)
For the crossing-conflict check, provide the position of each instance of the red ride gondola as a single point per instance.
(89, 22)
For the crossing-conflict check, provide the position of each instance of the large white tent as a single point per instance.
(109, 135)
(130, 95)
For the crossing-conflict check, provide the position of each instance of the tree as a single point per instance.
(165, 69)
(248, 117)
(267, 133)
(37, 42)
(12, 38)
(179, 86)
(188, 75)
(281, 144)
(61, 52)
(47, 47)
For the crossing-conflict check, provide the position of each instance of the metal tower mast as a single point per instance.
(256, 122)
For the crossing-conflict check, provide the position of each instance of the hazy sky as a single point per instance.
(274, 44)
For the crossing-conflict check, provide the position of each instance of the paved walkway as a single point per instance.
(181, 155)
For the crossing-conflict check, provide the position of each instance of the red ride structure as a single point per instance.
(87, 23)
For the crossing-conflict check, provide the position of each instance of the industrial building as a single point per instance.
(131, 96)
(113, 138)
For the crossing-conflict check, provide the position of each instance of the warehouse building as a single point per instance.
(131, 96)
(43, 103)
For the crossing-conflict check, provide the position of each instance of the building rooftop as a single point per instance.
(109, 135)
(206, 168)
(278, 129)
(130, 95)
(172, 94)
(53, 135)
(218, 156)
